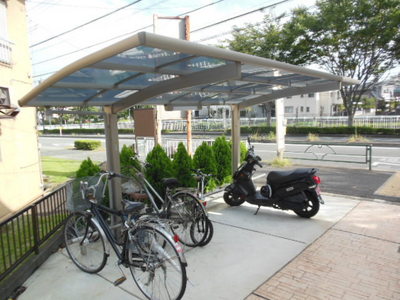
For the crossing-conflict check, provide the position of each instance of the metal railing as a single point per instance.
(5, 51)
(22, 234)
(332, 152)
(145, 145)
(221, 124)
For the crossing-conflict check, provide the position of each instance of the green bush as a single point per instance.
(204, 160)
(87, 168)
(87, 145)
(243, 151)
(128, 161)
(182, 165)
(223, 158)
(159, 167)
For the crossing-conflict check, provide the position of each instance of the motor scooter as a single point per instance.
(297, 190)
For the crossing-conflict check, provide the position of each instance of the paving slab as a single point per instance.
(358, 258)
(246, 250)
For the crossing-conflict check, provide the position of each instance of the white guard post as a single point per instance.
(280, 127)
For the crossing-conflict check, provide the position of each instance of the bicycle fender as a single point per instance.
(177, 246)
(107, 243)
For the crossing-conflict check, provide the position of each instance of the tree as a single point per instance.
(182, 165)
(159, 167)
(87, 168)
(129, 161)
(352, 38)
(204, 160)
(223, 158)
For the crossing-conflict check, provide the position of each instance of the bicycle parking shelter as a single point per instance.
(150, 69)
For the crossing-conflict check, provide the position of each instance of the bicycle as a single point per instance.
(188, 217)
(154, 257)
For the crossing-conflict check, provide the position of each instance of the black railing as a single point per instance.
(22, 234)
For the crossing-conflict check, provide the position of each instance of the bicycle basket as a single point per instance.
(75, 199)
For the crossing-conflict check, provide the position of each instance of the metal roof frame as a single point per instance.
(236, 78)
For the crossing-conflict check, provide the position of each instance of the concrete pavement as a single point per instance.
(357, 258)
(257, 257)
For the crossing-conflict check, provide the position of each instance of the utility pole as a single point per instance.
(183, 33)
(189, 112)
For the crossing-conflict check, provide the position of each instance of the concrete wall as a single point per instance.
(20, 167)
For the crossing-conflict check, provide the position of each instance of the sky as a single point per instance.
(51, 18)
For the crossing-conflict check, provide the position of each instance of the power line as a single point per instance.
(87, 23)
(116, 37)
(239, 16)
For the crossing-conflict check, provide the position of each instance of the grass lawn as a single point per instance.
(59, 170)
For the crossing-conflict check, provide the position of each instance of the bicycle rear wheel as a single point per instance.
(188, 219)
(85, 245)
(155, 264)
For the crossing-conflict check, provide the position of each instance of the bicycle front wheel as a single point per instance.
(85, 245)
(189, 219)
(155, 264)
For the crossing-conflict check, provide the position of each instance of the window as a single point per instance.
(5, 45)
(243, 113)
(196, 113)
(307, 109)
(288, 109)
(310, 95)
(4, 96)
(301, 108)
(3, 21)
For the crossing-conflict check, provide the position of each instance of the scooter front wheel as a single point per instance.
(233, 199)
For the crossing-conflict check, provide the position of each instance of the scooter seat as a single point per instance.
(277, 177)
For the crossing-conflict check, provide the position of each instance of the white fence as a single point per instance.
(221, 124)
(170, 146)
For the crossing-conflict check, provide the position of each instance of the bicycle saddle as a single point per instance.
(131, 207)
(170, 182)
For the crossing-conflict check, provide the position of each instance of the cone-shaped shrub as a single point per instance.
(204, 160)
(223, 158)
(87, 168)
(128, 161)
(182, 165)
(159, 167)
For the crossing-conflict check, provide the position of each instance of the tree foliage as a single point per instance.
(128, 161)
(182, 165)
(223, 158)
(87, 168)
(204, 160)
(159, 167)
(352, 38)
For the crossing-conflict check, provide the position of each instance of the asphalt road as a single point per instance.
(337, 178)
(383, 158)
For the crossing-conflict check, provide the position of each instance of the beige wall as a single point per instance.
(20, 168)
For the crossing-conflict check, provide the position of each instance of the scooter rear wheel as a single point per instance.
(232, 199)
(311, 206)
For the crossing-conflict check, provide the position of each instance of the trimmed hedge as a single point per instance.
(87, 145)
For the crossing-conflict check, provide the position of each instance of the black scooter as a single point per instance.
(295, 190)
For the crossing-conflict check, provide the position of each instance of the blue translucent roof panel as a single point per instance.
(148, 68)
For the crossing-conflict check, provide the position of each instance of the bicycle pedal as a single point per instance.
(119, 280)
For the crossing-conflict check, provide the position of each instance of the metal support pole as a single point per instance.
(235, 137)
(113, 163)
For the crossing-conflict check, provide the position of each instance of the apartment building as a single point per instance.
(20, 167)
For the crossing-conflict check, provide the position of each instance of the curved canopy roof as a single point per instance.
(153, 69)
